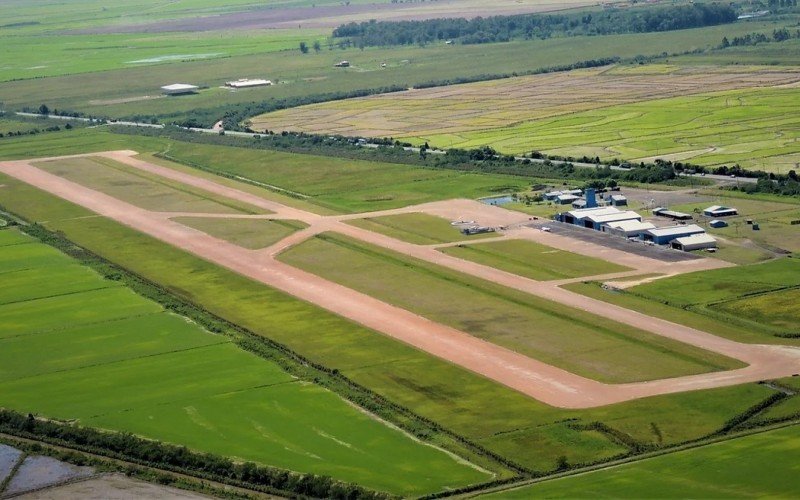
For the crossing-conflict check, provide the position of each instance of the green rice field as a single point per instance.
(419, 228)
(757, 466)
(535, 327)
(111, 359)
(533, 260)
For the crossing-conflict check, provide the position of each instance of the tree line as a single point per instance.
(530, 26)
(778, 35)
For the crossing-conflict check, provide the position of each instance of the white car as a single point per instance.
(546, 229)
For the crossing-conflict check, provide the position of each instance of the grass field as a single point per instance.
(122, 362)
(247, 233)
(533, 260)
(120, 92)
(148, 191)
(422, 229)
(344, 185)
(543, 330)
(754, 303)
(637, 115)
(500, 419)
(760, 465)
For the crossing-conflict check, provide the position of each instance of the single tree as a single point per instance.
(317, 46)
(304, 47)
(44, 110)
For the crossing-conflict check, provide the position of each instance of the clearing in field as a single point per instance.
(760, 465)
(126, 364)
(533, 260)
(139, 188)
(418, 228)
(565, 113)
(588, 346)
(247, 233)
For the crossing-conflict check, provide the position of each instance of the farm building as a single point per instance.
(694, 242)
(552, 195)
(179, 89)
(594, 218)
(244, 83)
(342, 64)
(671, 214)
(618, 200)
(628, 228)
(719, 211)
(588, 201)
(716, 223)
(566, 199)
(664, 235)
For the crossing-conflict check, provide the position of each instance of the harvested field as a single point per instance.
(597, 112)
(334, 14)
(503, 103)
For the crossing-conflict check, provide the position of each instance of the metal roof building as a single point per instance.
(594, 218)
(694, 242)
(179, 88)
(664, 235)
(244, 83)
(719, 211)
(628, 228)
(671, 214)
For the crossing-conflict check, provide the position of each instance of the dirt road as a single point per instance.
(544, 382)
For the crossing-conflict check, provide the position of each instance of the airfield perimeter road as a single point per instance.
(544, 382)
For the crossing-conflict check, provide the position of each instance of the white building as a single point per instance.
(628, 228)
(694, 242)
(719, 211)
(244, 83)
(179, 88)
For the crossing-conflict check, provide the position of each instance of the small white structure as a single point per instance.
(244, 83)
(179, 88)
(719, 211)
(694, 242)
(618, 200)
(628, 228)
(565, 199)
(342, 64)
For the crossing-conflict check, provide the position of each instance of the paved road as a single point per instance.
(544, 382)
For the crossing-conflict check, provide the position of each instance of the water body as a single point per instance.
(497, 200)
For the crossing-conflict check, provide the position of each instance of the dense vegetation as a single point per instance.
(530, 26)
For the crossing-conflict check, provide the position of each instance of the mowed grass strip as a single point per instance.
(419, 228)
(533, 260)
(185, 380)
(139, 188)
(761, 465)
(247, 233)
(581, 343)
(343, 185)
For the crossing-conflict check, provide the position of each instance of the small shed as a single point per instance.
(719, 211)
(618, 200)
(566, 199)
(716, 223)
(694, 242)
(671, 214)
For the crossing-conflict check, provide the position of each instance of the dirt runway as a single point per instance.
(539, 380)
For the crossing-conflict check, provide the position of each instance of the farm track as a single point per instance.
(541, 381)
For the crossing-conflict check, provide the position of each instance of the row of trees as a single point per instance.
(778, 35)
(529, 26)
(181, 459)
